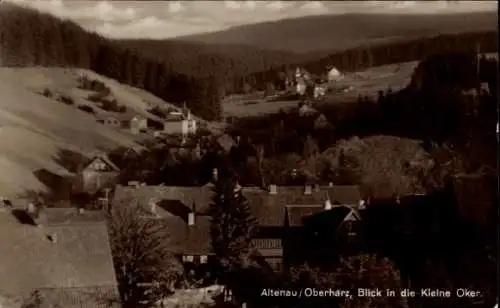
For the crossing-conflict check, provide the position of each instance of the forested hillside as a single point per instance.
(334, 33)
(198, 59)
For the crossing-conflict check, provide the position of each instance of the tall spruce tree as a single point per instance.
(232, 224)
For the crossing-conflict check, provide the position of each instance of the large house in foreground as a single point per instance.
(183, 210)
(64, 256)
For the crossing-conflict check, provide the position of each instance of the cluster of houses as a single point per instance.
(303, 81)
(175, 122)
(69, 249)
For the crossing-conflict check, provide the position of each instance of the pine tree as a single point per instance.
(232, 224)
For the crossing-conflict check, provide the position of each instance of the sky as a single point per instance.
(168, 19)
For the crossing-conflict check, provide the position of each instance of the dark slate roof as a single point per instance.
(69, 216)
(268, 209)
(332, 218)
(174, 229)
(91, 297)
(200, 196)
(297, 213)
(79, 258)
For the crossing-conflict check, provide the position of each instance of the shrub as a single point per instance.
(155, 124)
(86, 108)
(157, 111)
(47, 93)
(66, 99)
(98, 96)
(122, 109)
(86, 83)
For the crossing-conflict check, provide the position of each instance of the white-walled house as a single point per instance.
(333, 74)
(180, 123)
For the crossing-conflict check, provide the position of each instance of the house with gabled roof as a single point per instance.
(97, 173)
(322, 123)
(67, 261)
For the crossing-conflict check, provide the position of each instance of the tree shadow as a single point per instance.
(70, 160)
(23, 217)
(59, 187)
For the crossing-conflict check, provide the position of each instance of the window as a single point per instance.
(203, 259)
(189, 258)
(349, 228)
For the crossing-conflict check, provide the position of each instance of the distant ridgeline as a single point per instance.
(194, 73)
(404, 51)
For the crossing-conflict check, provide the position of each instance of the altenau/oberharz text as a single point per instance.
(307, 292)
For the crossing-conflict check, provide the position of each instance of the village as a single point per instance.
(256, 154)
(71, 236)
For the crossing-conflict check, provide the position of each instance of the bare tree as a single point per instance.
(259, 150)
(146, 270)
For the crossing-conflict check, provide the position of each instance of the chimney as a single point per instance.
(308, 190)
(191, 218)
(53, 238)
(273, 189)
(328, 205)
(361, 205)
(215, 174)
(32, 209)
(152, 207)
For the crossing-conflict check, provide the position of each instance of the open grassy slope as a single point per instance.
(34, 128)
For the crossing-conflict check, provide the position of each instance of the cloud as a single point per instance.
(101, 10)
(152, 27)
(175, 7)
(250, 5)
(232, 5)
(275, 5)
(312, 6)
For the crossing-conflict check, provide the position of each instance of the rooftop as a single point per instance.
(62, 255)
(174, 203)
(269, 209)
